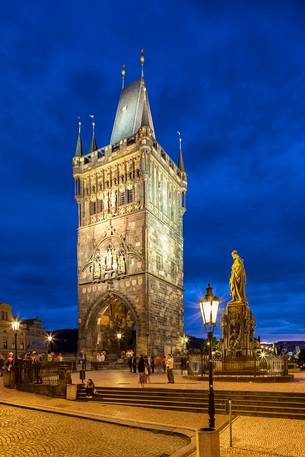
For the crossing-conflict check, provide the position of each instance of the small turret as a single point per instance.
(180, 160)
(79, 144)
(93, 145)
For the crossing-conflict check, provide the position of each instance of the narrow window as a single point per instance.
(99, 206)
(129, 195)
(122, 198)
(92, 208)
(159, 262)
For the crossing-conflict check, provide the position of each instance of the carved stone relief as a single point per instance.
(112, 258)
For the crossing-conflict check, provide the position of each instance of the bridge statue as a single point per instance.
(238, 279)
(237, 321)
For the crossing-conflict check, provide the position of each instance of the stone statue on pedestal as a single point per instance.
(237, 321)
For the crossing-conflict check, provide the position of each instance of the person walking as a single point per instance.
(158, 362)
(147, 369)
(134, 363)
(170, 369)
(164, 364)
(141, 370)
(2, 364)
(9, 361)
(152, 364)
(130, 363)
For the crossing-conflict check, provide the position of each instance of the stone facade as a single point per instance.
(7, 337)
(35, 335)
(131, 201)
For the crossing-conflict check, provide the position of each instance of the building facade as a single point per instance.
(35, 335)
(7, 338)
(131, 201)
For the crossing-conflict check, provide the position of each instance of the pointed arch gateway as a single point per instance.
(111, 314)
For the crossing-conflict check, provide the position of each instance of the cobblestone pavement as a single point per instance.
(173, 419)
(35, 434)
(263, 437)
(252, 437)
(121, 378)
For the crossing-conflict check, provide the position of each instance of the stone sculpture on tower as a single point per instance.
(237, 321)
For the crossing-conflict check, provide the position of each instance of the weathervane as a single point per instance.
(93, 123)
(142, 60)
(123, 73)
(180, 140)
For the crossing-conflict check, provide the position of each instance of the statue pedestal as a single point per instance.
(237, 323)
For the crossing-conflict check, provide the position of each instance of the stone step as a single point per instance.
(223, 393)
(240, 405)
(201, 402)
(276, 414)
(278, 404)
(199, 395)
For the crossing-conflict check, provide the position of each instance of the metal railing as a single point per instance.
(270, 365)
(48, 373)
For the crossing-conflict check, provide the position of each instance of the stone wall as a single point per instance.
(141, 239)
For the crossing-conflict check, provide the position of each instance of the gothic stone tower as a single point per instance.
(131, 200)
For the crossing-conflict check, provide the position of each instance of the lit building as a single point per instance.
(31, 335)
(7, 340)
(35, 335)
(131, 202)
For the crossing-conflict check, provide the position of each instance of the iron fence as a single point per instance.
(48, 373)
(270, 365)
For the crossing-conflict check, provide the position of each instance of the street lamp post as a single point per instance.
(15, 327)
(209, 309)
(50, 341)
(119, 337)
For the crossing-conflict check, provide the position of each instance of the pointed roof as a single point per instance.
(93, 145)
(180, 160)
(79, 144)
(132, 113)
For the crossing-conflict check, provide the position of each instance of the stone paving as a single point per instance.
(263, 437)
(35, 433)
(252, 437)
(145, 416)
(120, 378)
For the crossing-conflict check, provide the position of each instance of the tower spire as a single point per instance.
(180, 161)
(123, 73)
(79, 145)
(142, 60)
(93, 145)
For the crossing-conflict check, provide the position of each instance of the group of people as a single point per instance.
(146, 365)
(6, 362)
(101, 356)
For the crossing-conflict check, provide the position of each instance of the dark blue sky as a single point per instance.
(229, 75)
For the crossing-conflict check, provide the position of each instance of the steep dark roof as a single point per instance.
(79, 146)
(132, 113)
(93, 145)
(180, 161)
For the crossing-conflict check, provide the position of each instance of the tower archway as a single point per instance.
(111, 326)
